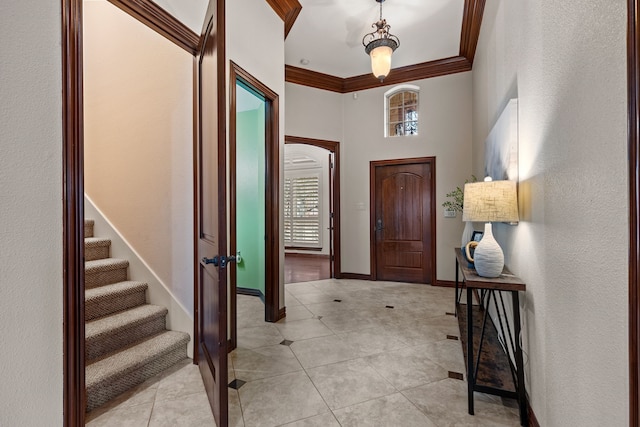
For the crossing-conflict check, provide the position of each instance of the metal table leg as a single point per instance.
(470, 375)
(520, 388)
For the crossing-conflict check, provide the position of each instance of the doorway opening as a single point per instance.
(253, 196)
(311, 209)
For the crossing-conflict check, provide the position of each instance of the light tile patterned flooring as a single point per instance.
(362, 354)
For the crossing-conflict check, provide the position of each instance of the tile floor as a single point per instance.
(349, 353)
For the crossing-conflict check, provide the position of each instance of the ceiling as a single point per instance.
(328, 33)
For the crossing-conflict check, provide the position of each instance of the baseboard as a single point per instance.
(282, 313)
(445, 283)
(355, 276)
(251, 292)
(533, 421)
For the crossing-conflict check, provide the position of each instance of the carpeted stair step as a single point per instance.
(88, 228)
(96, 248)
(113, 298)
(117, 373)
(107, 334)
(104, 272)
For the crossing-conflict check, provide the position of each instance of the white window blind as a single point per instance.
(302, 211)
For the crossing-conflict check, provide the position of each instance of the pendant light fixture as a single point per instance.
(380, 45)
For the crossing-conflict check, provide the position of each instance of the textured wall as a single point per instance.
(565, 62)
(358, 123)
(31, 286)
(139, 139)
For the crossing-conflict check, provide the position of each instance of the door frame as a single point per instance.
(372, 208)
(333, 147)
(272, 311)
(633, 109)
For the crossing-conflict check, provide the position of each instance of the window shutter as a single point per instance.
(302, 211)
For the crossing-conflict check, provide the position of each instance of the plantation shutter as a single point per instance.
(301, 211)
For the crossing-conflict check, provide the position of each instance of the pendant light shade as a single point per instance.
(380, 45)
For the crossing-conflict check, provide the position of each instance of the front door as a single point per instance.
(211, 226)
(403, 238)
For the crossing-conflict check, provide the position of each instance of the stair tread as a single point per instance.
(96, 241)
(122, 320)
(133, 357)
(114, 289)
(105, 264)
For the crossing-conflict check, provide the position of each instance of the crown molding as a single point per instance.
(471, 22)
(314, 79)
(425, 70)
(161, 21)
(288, 11)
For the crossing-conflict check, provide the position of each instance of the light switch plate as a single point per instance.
(449, 213)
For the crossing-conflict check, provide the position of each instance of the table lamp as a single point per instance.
(490, 201)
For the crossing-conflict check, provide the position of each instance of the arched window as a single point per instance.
(401, 110)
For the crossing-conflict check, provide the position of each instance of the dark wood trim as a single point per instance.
(272, 188)
(233, 224)
(161, 21)
(355, 276)
(288, 11)
(196, 262)
(470, 32)
(334, 147)
(424, 70)
(445, 283)
(633, 76)
(73, 214)
(249, 292)
(282, 313)
(310, 78)
(533, 421)
(372, 211)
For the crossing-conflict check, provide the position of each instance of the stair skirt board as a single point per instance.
(126, 340)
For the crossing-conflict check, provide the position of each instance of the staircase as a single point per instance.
(126, 340)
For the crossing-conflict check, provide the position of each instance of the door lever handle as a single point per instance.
(213, 260)
(221, 261)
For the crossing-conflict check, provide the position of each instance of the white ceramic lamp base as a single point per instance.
(488, 256)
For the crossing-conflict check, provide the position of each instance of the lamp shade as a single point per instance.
(492, 201)
(381, 61)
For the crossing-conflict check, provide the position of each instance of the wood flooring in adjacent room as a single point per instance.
(305, 268)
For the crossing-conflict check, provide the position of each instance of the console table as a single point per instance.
(489, 367)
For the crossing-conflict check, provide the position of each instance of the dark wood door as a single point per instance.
(403, 220)
(332, 180)
(211, 226)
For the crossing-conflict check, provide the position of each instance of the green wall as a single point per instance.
(250, 197)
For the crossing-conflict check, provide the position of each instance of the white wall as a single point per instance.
(255, 42)
(139, 141)
(566, 65)
(358, 124)
(31, 308)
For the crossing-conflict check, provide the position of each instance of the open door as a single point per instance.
(210, 214)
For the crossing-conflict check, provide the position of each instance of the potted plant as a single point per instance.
(456, 204)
